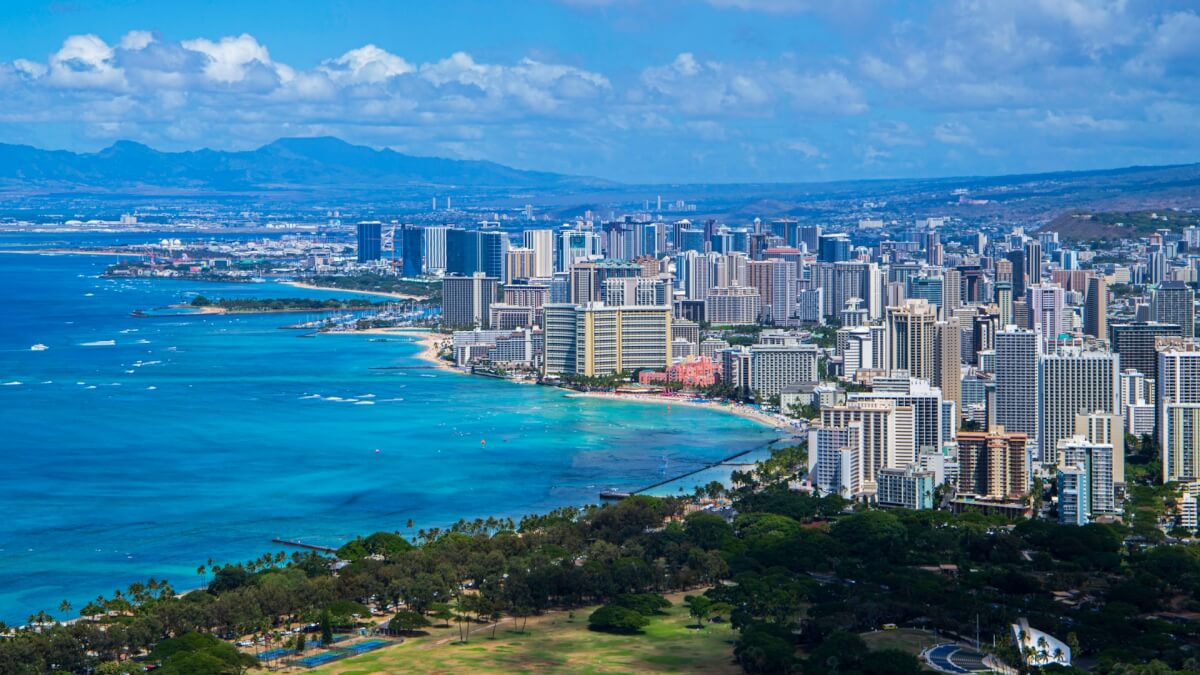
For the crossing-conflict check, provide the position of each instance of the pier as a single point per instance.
(307, 547)
(614, 494)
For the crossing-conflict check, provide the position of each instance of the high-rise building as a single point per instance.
(929, 289)
(1017, 260)
(1096, 461)
(435, 249)
(1004, 302)
(412, 243)
(573, 246)
(518, 264)
(835, 454)
(993, 464)
(471, 251)
(1135, 342)
(1033, 261)
(636, 291)
(930, 427)
(834, 247)
(907, 488)
(1047, 309)
(542, 243)
(887, 435)
(1073, 381)
(587, 278)
(1095, 309)
(773, 367)
(597, 339)
(1017, 381)
(1105, 429)
(910, 332)
(370, 241)
(951, 291)
(947, 361)
(1074, 494)
(775, 280)
(465, 300)
(1173, 302)
(732, 306)
(1177, 404)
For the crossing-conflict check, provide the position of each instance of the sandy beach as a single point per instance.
(311, 287)
(431, 342)
(743, 411)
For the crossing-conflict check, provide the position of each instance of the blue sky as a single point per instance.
(669, 91)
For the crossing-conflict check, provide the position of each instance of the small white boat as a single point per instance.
(39, 347)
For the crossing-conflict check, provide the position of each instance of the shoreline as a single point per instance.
(431, 343)
(739, 410)
(74, 251)
(385, 294)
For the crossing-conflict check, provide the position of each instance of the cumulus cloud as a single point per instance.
(712, 87)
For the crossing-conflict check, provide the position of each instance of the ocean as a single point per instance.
(144, 447)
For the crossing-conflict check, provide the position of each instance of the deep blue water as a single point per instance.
(200, 438)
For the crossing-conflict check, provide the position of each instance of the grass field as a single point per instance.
(909, 640)
(558, 644)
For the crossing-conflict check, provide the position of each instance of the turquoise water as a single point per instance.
(205, 437)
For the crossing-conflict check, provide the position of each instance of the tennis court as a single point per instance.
(276, 654)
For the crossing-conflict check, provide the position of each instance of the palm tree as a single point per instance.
(64, 606)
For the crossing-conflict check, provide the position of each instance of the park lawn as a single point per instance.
(908, 640)
(559, 644)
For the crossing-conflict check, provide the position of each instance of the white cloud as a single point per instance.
(232, 59)
(369, 64)
(85, 62)
(136, 39)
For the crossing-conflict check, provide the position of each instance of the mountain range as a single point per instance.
(291, 164)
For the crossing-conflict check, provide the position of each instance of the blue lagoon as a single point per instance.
(137, 447)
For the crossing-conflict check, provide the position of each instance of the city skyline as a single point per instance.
(714, 91)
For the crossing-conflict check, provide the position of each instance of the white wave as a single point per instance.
(90, 386)
(367, 396)
(47, 381)
(310, 396)
(130, 330)
(364, 403)
(88, 295)
(81, 382)
(334, 398)
(98, 343)
(129, 371)
(387, 400)
(13, 383)
(143, 341)
(151, 388)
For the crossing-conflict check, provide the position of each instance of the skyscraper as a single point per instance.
(910, 329)
(947, 362)
(1173, 302)
(834, 247)
(1017, 381)
(597, 339)
(1017, 260)
(1095, 309)
(775, 280)
(370, 241)
(1177, 404)
(412, 241)
(471, 251)
(465, 300)
(1135, 342)
(993, 464)
(1047, 308)
(542, 243)
(435, 249)
(1073, 381)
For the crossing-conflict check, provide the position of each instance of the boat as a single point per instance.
(39, 347)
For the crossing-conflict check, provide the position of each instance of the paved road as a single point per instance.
(952, 658)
